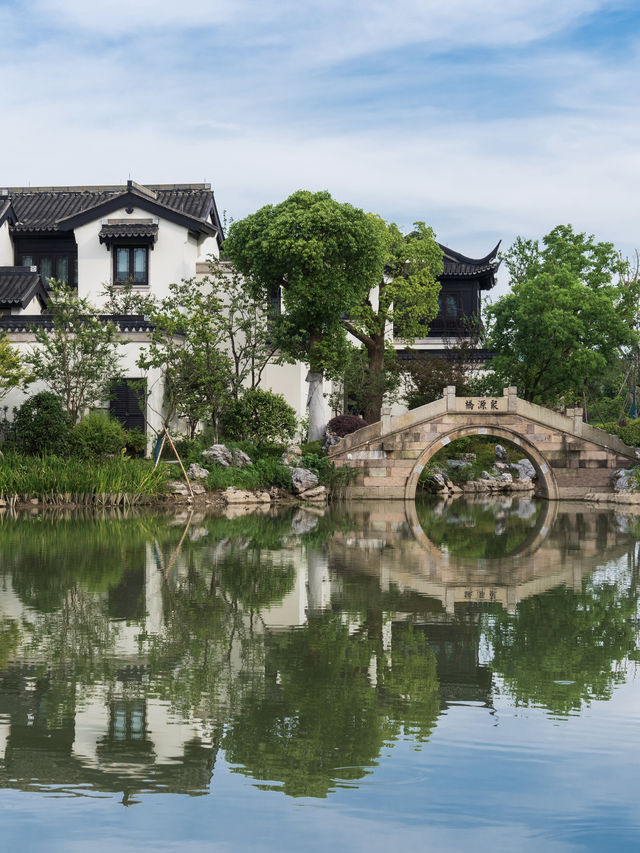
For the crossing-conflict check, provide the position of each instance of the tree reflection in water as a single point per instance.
(132, 648)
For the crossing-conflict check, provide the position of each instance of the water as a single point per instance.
(374, 677)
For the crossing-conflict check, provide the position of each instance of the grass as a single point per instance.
(55, 479)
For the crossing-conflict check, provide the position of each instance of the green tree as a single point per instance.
(12, 371)
(245, 326)
(187, 343)
(407, 301)
(322, 257)
(78, 356)
(579, 659)
(568, 315)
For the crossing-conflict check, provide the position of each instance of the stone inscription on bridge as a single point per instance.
(571, 458)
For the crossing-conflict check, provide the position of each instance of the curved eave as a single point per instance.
(477, 262)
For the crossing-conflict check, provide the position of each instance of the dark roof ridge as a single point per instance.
(100, 188)
(463, 259)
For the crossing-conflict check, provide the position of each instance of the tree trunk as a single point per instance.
(375, 380)
(315, 406)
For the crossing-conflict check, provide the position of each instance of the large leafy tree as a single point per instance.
(322, 256)
(568, 316)
(406, 300)
(78, 356)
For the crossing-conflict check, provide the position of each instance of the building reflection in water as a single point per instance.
(132, 650)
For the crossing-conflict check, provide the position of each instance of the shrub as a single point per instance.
(345, 424)
(628, 432)
(135, 442)
(97, 435)
(41, 425)
(261, 417)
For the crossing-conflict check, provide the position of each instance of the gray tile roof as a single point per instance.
(44, 208)
(19, 285)
(139, 230)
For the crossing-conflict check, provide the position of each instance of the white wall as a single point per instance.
(6, 246)
(172, 258)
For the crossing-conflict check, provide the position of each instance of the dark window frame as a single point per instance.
(130, 247)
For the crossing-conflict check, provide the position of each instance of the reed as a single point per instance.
(53, 479)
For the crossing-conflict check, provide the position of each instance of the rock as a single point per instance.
(302, 479)
(468, 457)
(456, 464)
(178, 487)
(501, 453)
(437, 482)
(240, 458)
(501, 468)
(486, 476)
(623, 480)
(291, 456)
(504, 480)
(303, 522)
(319, 493)
(330, 440)
(196, 472)
(522, 485)
(198, 489)
(219, 453)
(232, 495)
(523, 469)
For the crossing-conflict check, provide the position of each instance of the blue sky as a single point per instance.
(484, 119)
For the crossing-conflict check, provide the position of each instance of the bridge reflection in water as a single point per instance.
(131, 651)
(561, 543)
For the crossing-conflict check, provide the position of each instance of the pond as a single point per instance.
(375, 676)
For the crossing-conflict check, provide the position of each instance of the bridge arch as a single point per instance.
(572, 458)
(546, 477)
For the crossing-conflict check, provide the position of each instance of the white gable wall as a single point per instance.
(172, 258)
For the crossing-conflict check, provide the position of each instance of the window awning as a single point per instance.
(141, 233)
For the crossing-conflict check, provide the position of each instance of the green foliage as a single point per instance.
(41, 425)
(329, 474)
(50, 476)
(260, 416)
(365, 384)
(97, 435)
(407, 301)
(261, 475)
(469, 529)
(314, 447)
(135, 442)
(428, 376)
(562, 669)
(187, 344)
(568, 313)
(323, 258)
(78, 358)
(12, 371)
(628, 431)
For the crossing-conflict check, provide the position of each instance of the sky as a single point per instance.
(484, 119)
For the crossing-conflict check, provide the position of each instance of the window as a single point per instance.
(130, 264)
(53, 265)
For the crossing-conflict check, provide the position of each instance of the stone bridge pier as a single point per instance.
(571, 458)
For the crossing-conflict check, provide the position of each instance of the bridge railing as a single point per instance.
(570, 423)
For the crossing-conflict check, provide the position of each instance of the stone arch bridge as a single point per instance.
(572, 458)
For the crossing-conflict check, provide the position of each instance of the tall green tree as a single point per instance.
(404, 299)
(78, 357)
(322, 256)
(568, 316)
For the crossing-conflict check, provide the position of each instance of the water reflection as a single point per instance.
(134, 648)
